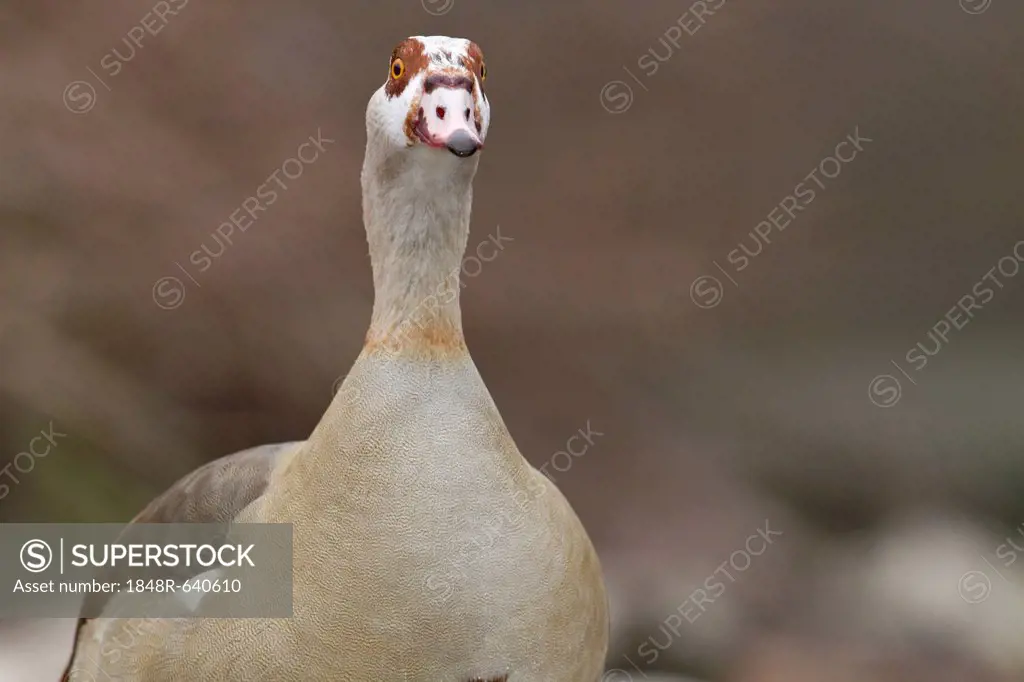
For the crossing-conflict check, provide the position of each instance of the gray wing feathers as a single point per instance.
(217, 491)
(214, 493)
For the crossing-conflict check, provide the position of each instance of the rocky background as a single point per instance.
(639, 154)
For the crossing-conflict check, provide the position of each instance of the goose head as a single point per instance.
(432, 103)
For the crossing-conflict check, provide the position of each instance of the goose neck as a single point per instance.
(416, 209)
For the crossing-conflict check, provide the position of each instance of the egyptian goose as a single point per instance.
(410, 470)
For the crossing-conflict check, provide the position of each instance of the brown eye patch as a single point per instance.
(413, 60)
(474, 61)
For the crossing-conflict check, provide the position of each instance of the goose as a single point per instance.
(408, 467)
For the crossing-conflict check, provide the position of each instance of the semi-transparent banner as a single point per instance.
(147, 570)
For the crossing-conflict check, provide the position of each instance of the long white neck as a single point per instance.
(416, 208)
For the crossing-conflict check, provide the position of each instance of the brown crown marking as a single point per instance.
(448, 80)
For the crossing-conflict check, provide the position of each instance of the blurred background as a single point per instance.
(639, 155)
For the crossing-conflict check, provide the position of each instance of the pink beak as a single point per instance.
(447, 115)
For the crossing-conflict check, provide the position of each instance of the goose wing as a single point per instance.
(217, 491)
(214, 493)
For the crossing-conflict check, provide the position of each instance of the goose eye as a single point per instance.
(483, 72)
(397, 68)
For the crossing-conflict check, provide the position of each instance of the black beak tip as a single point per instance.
(462, 144)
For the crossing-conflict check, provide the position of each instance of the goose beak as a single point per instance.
(463, 143)
(447, 115)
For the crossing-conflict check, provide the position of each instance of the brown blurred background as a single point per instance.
(895, 497)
